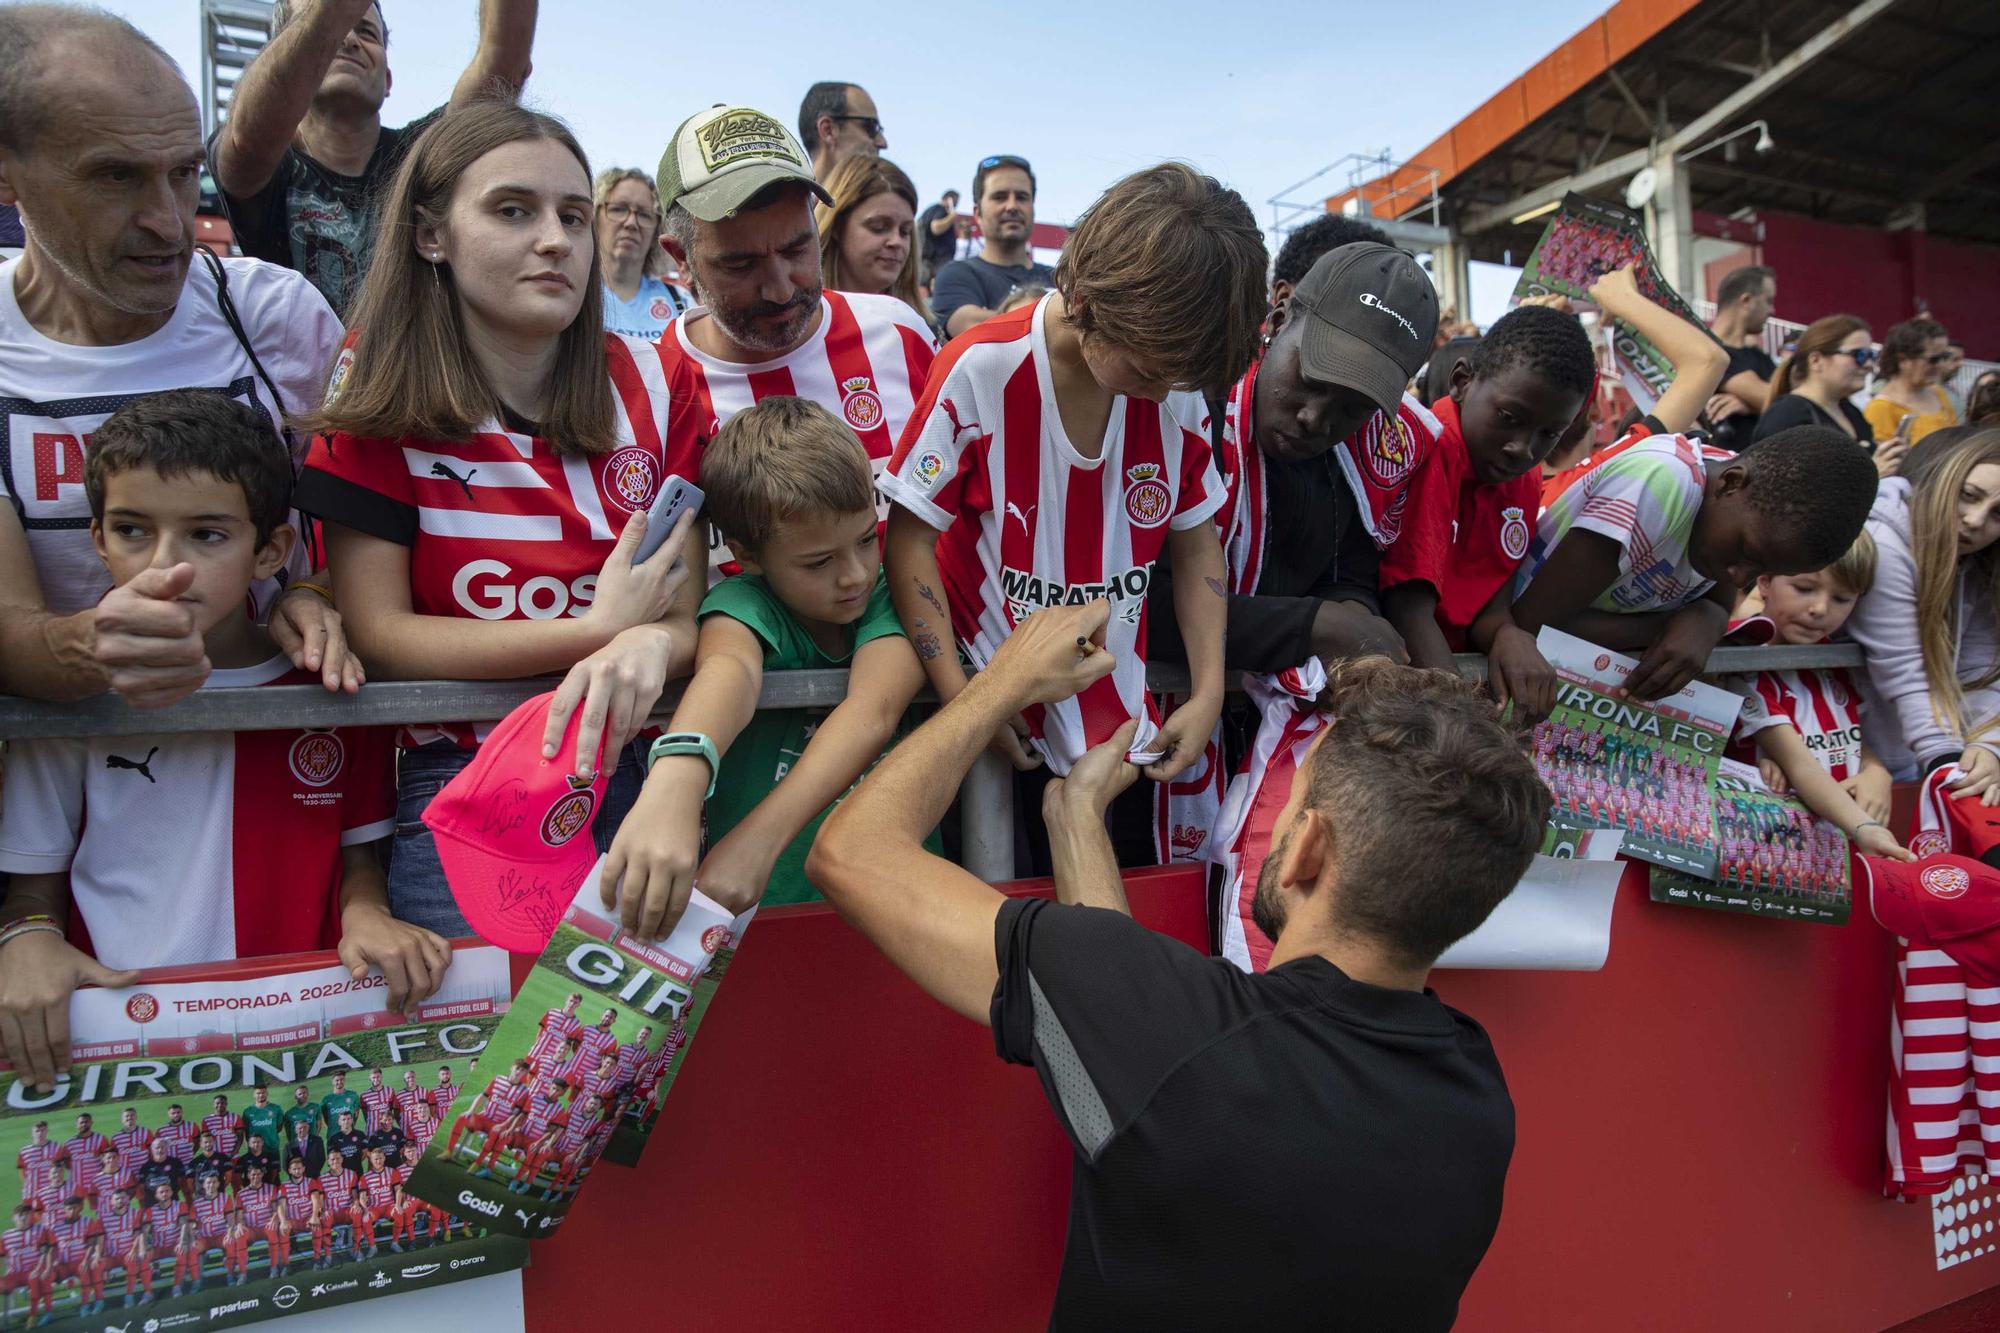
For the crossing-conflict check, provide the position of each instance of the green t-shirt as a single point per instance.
(775, 738)
(333, 1104)
(308, 1114)
(268, 1123)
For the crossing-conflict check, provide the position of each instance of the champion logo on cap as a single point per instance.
(1371, 299)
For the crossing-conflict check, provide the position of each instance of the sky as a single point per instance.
(1261, 96)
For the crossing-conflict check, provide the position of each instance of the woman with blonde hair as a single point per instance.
(867, 235)
(638, 300)
(1930, 625)
(485, 460)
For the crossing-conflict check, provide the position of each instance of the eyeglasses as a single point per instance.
(1938, 358)
(869, 125)
(1006, 160)
(619, 212)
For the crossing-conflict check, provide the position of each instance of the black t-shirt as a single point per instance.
(317, 221)
(151, 1174)
(1735, 433)
(1285, 1150)
(938, 247)
(975, 282)
(350, 1145)
(1795, 409)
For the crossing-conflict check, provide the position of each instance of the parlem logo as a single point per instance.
(142, 1008)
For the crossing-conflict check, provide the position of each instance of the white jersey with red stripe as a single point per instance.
(1944, 1075)
(1288, 722)
(211, 1213)
(441, 1096)
(179, 1136)
(79, 1148)
(1823, 706)
(632, 1057)
(222, 1127)
(34, 1161)
(375, 1100)
(338, 1187)
(200, 846)
(866, 362)
(298, 1197)
(120, 1227)
(23, 1246)
(406, 1098)
(593, 1042)
(1028, 521)
(556, 1026)
(258, 1203)
(72, 1237)
(379, 1187)
(133, 1145)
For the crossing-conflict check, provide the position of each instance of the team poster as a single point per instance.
(1586, 239)
(585, 1055)
(1646, 768)
(1775, 858)
(142, 1192)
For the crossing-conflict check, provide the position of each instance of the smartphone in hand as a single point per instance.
(676, 497)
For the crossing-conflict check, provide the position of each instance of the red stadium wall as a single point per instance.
(1700, 1147)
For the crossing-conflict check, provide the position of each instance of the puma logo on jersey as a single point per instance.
(1015, 511)
(143, 767)
(464, 482)
(957, 427)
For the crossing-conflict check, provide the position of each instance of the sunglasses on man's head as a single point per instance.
(1006, 160)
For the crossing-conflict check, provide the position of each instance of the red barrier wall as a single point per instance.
(1700, 1146)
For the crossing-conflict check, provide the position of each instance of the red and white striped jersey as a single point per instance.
(500, 526)
(122, 1178)
(72, 1237)
(556, 1025)
(1944, 1045)
(23, 1246)
(442, 1095)
(377, 1100)
(588, 1082)
(1288, 723)
(593, 1042)
(132, 1145)
(298, 1197)
(199, 847)
(120, 1227)
(1823, 706)
(338, 1187)
(179, 1136)
(1030, 522)
(84, 1173)
(403, 1174)
(632, 1056)
(258, 1202)
(51, 1188)
(34, 1161)
(379, 1187)
(163, 1224)
(222, 1128)
(406, 1098)
(866, 363)
(211, 1213)
(501, 1098)
(582, 1125)
(79, 1148)
(543, 1111)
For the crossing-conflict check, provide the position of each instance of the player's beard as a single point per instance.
(1267, 909)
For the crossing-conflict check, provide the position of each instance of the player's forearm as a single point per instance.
(48, 656)
(916, 589)
(850, 739)
(1411, 609)
(1201, 605)
(721, 699)
(1080, 850)
(506, 41)
(275, 93)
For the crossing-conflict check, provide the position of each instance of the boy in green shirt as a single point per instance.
(789, 488)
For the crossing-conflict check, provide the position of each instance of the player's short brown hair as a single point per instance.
(1418, 758)
(1169, 265)
(1855, 571)
(782, 459)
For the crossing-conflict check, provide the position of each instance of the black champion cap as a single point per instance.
(1370, 316)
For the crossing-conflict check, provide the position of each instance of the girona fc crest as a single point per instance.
(1147, 499)
(631, 476)
(1389, 452)
(1603, 661)
(316, 757)
(860, 404)
(660, 309)
(142, 1008)
(191, 1045)
(570, 815)
(1945, 881)
(715, 939)
(1929, 842)
(1513, 532)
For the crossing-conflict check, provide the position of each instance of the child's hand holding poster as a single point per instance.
(582, 1059)
(1776, 859)
(1646, 768)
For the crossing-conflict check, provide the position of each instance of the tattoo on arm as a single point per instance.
(1215, 586)
(927, 645)
(924, 591)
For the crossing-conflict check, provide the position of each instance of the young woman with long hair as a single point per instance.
(1813, 383)
(1907, 399)
(867, 236)
(1930, 625)
(484, 463)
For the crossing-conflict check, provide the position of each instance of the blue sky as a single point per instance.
(1260, 95)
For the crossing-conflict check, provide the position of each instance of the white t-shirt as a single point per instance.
(1646, 499)
(53, 395)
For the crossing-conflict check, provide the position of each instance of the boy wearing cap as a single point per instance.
(197, 847)
(788, 488)
(1058, 456)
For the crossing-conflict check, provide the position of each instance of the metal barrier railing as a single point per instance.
(987, 807)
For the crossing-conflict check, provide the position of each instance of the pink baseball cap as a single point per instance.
(1950, 903)
(513, 830)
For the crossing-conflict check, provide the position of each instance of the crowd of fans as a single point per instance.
(415, 433)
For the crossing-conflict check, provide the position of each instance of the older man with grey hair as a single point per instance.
(305, 152)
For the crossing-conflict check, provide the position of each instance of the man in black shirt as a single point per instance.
(1322, 1144)
(348, 1141)
(304, 150)
(257, 1153)
(1743, 304)
(970, 290)
(160, 1167)
(937, 233)
(386, 1136)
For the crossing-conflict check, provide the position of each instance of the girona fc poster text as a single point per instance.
(124, 1202)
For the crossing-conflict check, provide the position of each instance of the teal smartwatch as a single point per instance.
(687, 742)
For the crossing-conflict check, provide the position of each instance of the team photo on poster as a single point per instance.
(225, 1152)
(1776, 859)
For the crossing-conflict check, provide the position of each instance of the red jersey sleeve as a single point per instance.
(368, 807)
(1200, 490)
(359, 484)
(939, 467)
(1422, 549)
(1378, 461)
